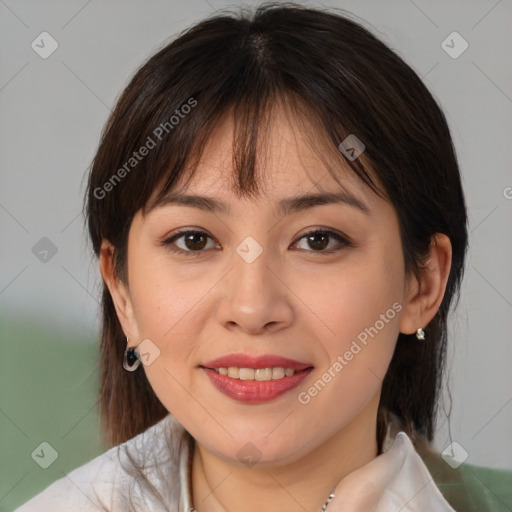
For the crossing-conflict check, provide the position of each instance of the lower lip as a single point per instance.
(255, 391)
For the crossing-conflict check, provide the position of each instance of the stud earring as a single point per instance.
(420, 334)
(131, 359)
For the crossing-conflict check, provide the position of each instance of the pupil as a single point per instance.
(315, 243)
(194, 244)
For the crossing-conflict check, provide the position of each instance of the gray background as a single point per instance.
(53, 110)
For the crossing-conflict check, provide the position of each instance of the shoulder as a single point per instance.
(86, 488)
(106, 482)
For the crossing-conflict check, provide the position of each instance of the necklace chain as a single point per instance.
(323, 509)
(331, 496)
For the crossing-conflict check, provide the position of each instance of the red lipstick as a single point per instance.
(254, 391)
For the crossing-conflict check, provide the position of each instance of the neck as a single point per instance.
(303, 485)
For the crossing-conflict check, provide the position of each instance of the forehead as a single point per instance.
(292, 158)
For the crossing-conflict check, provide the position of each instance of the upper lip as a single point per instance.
(263, 361)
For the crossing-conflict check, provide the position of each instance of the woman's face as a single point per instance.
(252, 287)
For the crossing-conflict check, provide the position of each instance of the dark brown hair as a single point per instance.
(335, 75)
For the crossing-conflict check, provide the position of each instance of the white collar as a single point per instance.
(396, 480)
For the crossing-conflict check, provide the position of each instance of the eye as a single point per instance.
(189, 242)
(319, 239)
(194, 242)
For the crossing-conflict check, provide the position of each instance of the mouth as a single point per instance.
(255, 379)
(259, 374)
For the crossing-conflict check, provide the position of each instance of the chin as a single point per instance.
(268, 449)
(251, 454)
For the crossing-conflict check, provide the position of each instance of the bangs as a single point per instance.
(251, 118)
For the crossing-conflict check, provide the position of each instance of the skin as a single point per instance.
(294, 301)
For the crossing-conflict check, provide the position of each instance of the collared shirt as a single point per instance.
(396, 480)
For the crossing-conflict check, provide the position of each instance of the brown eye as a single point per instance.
(318, 240)
(189, 243)
(195, 241)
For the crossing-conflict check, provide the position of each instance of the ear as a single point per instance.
(119, 292)
(424, 293)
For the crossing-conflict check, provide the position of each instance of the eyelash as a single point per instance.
(345, 242)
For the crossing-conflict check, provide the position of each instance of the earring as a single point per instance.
(420, 334)
(131, 359)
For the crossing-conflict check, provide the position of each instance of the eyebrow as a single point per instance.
(285, 206)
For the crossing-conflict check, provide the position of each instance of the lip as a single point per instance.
(263, 361)
(253, 391)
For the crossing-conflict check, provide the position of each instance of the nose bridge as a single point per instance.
(252, 275)
(255, 299)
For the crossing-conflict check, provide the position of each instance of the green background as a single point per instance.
(48, 392)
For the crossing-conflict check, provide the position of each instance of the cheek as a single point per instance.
(360, 313)
(364, 296)
(174, 306)
(165, 306)
(163, 317)
(164, 301)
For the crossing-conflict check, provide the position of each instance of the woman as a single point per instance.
(278, 214)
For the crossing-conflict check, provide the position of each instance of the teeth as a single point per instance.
(277, 373)
(263, 374)
(259, 374)
(234, 372)
(247, 374)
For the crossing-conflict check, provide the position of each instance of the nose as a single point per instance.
(255, 298)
